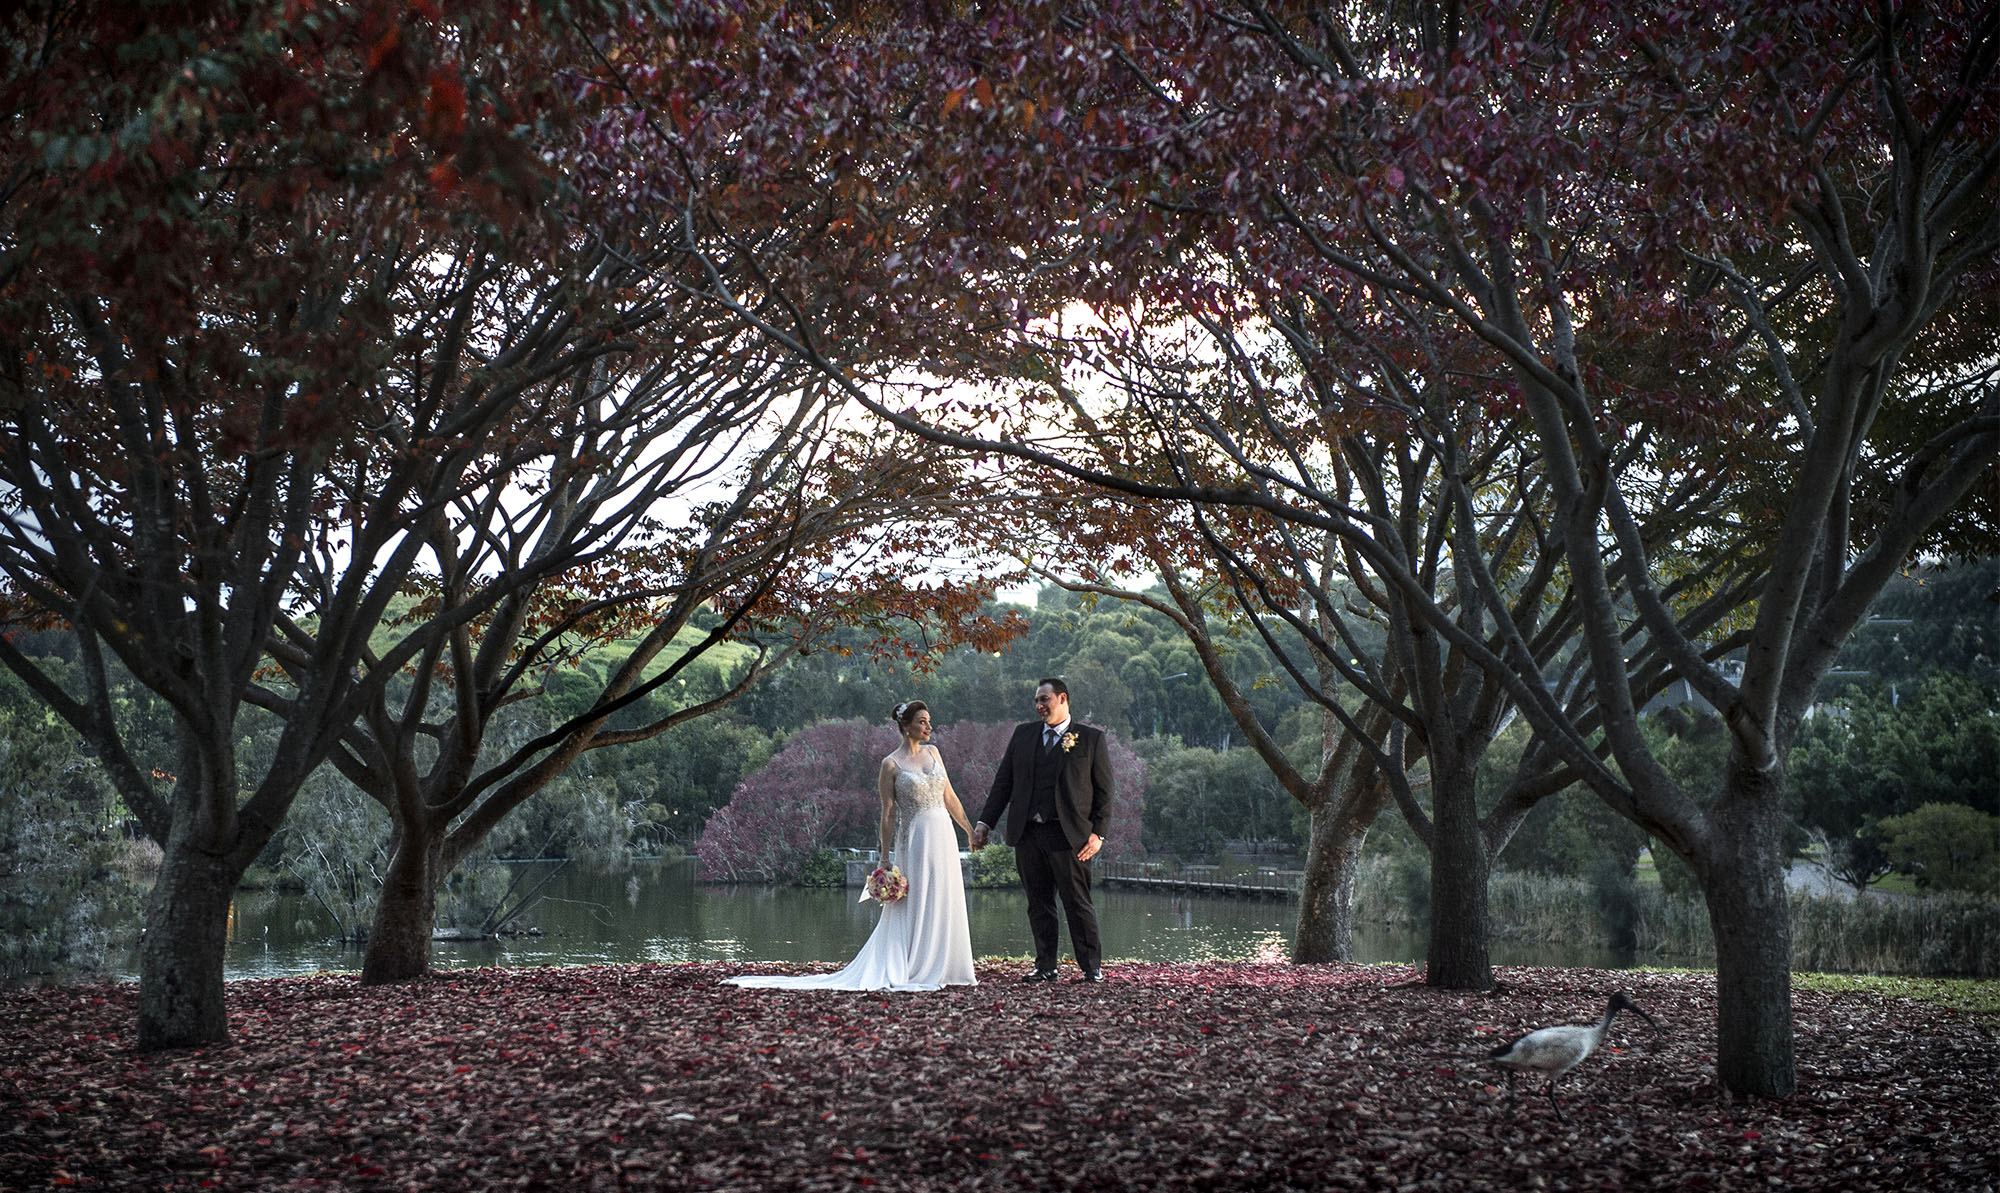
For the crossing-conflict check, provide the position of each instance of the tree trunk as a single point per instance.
(181, 953)
(399, 942)
(1333, 859)
(1743, 882)
(1456, 958)
(1326, 896)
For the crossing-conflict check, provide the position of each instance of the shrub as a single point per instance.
(1946, 847)
(1614, 895)
(993, 866)
(826, 867)
(68, 879)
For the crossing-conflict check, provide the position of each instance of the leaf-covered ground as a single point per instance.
(1163, 1077)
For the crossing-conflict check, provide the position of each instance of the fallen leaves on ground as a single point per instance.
(1212, 1076)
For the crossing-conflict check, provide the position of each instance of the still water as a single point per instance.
(655, 912)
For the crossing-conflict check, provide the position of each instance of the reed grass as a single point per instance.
(1936, 936)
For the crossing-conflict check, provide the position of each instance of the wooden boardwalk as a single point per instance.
(1205, 880)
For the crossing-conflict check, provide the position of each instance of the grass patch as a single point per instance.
(1972, 995)
(1975, 996)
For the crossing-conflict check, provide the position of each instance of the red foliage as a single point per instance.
(820, 790)
(1163, 1077)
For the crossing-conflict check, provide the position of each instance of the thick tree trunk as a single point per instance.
(399, 942)
(1326, 897)
(1743, 881)
(181, 953)
(1456, 958)
(1333, 859)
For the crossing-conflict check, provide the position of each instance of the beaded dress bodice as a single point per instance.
(918, 792)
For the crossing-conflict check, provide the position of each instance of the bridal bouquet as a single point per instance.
(885, 886)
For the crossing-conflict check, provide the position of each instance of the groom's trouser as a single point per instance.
(1048, 867)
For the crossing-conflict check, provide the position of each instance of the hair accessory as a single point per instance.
(899, 710)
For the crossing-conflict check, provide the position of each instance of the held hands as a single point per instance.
(977, 840)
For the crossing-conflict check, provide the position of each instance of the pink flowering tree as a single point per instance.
(819, 791)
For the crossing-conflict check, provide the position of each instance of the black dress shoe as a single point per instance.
(1041, 975)
(1092, 975)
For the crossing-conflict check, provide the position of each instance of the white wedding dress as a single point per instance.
(922, 941)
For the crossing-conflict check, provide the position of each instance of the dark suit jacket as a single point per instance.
(1083, 784)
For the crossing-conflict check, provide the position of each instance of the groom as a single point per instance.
(1054, 784)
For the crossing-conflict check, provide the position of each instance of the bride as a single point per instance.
(921, 942)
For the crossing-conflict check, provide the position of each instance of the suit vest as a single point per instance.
(1048, 767)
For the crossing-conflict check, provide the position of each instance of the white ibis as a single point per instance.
(1557, 1050)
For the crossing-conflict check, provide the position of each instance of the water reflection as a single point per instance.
(655, 912)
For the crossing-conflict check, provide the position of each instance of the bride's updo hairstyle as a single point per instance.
(906, 712)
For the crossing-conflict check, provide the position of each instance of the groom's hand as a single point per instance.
(1090, 848)
(978, 838)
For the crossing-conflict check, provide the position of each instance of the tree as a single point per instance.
(1936, 742)
(61, 848)
(1668, 246)
(812, 528)
(1573, 834)
(1419, 473)
(457, 348)
(1512, 254)
(1837, 819)
(1948, 847)
(212, 217)
(1938, 618)
(816, 791)
(1341, 791)
(1199, 801)
(670, 784)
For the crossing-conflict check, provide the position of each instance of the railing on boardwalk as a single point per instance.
(1262, 883)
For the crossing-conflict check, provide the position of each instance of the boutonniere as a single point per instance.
(1069, 741)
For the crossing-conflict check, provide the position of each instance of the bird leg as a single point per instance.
(1556, 1104)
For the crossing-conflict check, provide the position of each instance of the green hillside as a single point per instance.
(599, 663)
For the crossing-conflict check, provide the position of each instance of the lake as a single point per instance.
(656, 912)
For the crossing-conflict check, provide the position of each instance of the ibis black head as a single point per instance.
(1621, 1003)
